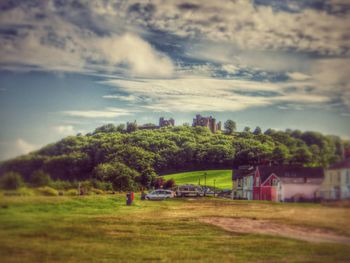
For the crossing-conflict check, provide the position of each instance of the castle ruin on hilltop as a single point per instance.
(166, 123)
(208, 122)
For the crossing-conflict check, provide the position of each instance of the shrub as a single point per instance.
(71, 192)
(105, 186)
(169, 184)
(85, 187)
(63, 185)
(97, 191)
(158, 182)
(11, 181)
(40, 178)
(23, 191)
(47, 191)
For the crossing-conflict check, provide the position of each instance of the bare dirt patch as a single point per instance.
(246, 225)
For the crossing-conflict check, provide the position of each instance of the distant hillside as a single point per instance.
(131, 159)
(222, 178)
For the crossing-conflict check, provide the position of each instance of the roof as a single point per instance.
(243, 172)
(290, 171)
(341, 165)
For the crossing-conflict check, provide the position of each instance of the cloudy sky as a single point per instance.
(71, 66)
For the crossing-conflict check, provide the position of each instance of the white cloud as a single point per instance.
(129, 98)
(249, 26)
(65, 130)
(229, 68)
(210, 94)
(332, 77)
(24, 147)
(108, 113)
(141, 58)
(298, 76)
(56, 44)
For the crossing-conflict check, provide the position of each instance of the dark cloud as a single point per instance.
(188, 6)
(296, 6)
(144, 10)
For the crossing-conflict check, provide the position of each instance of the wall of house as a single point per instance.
(294, 192)
(336, 185)
(268, 193)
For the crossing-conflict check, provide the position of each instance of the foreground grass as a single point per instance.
(222, 178)
(103, 229)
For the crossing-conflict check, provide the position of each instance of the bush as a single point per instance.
(97, 191)
(23, 191)
(47, 191)
(71, 192)
(40, 178)
(63, 185)
(169, 184)
(105, 186)
(11, 181)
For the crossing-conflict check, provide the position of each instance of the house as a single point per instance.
(208, 122)
(336, 184)
(242, 182)
(277, 183)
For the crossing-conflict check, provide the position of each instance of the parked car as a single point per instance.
(208, 191)
(226, 193)
(189, 190)
(160, 194)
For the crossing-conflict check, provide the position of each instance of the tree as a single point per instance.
(121, 176)
(131, 126)
(230, 126)
(270, 132)
(147, 177)
(11, 181)
(40, 178)
(121, 127)
(302, 155)
(246, 129)
(257, 130)
(280, 154)
(108, 128)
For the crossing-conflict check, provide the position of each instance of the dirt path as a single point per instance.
(245, 225)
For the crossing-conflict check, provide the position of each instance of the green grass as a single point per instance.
(222, 178)
(103, 229)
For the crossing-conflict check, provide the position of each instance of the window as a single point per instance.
(257, 181)
(274, 182)
(348, 176)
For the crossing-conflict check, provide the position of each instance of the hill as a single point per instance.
(131, 159)
(222, 178)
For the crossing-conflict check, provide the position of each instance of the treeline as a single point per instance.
(131, 159)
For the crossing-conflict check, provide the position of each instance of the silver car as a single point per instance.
(160, 194)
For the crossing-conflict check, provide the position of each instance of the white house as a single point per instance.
(336, 184)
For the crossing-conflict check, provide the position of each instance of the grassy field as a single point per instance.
(222, 178)
(103, 229)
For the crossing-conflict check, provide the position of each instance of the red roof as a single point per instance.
(341, 165)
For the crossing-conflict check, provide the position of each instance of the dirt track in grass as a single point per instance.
(266, 227)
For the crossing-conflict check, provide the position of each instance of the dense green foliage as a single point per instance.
(132, 159)
(39, 178)
(11, 181)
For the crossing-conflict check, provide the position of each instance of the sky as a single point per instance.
(67, 67)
